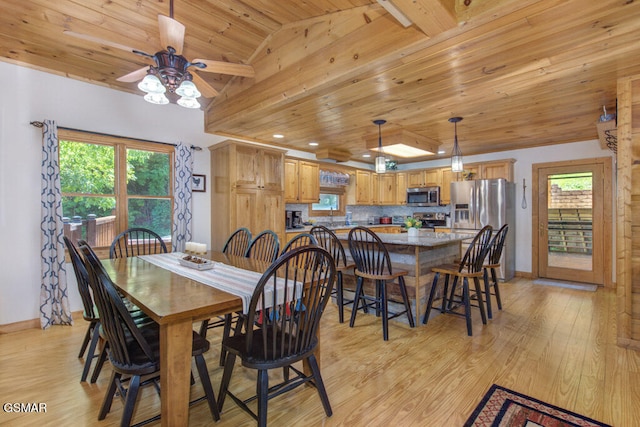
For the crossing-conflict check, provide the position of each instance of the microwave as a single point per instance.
(423, 196)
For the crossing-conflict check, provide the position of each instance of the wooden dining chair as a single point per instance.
(134, 350)
(470, 267)
(302, 239)
(238, 242)
(328, 240)
(136, 241)
(265, 247)
(492, 263)
(373, 263)
(288, 302)
(90, 313)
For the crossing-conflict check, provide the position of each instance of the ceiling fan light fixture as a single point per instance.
(188, 102)
(151, 84)
(188, 89)
(156, 98)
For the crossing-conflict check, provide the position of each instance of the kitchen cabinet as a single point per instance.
(499, 169)
(387, 189)
(363, 188)
(247, 190)
(302, 181)
(416, 179)
(433, 177)
(445, 186)
(489, 170)
(401, 188)
(424, 178)
(375, 188)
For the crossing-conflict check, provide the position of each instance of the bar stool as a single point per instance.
(328, 240)
(470, 267)
(372, 262)
(493, 262)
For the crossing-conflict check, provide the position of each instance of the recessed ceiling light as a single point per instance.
(366, 155)
(277, 135)
(441, 151)
(315, 144)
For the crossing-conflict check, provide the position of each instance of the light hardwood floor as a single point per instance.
(555, 344)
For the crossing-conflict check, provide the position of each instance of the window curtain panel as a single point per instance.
(182, 204)
(54, 299)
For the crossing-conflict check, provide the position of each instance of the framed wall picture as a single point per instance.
(198, 183)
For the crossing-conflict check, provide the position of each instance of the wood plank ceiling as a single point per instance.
(522, 73)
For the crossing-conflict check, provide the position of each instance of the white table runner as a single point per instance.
(236, 281)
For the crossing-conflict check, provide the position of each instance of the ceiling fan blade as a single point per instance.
(134, 76)
(99, 41)
(205, 88)
(222, 67)
(171, 33)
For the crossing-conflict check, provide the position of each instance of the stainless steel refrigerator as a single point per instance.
(477, 203)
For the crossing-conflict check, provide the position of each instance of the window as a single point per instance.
(331, 203)
(110, 184)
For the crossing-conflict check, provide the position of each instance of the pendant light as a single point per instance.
(456, 154)
(381, 161)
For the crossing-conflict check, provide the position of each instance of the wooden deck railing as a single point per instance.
(98, 232)
(570, 230)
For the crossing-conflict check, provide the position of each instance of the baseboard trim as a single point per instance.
(524, 274)
(29, 324)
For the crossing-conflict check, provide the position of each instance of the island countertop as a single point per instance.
(429, 239)
(416, 255)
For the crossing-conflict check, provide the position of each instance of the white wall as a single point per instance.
(30, 95)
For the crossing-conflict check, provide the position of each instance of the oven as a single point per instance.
(423, 196)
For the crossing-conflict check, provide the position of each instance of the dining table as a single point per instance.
(176, 296)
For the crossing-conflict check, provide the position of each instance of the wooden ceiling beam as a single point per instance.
(431, 16)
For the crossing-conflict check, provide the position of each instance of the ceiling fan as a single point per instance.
(170, 72)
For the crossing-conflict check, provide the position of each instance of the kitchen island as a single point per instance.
(416, 255)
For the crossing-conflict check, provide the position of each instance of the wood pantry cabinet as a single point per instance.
(302, 181)
(246, 190)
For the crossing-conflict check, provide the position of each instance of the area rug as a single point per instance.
(501, 407)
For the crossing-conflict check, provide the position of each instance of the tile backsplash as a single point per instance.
(361, 214)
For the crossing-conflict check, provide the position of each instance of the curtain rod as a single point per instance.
(40, 124)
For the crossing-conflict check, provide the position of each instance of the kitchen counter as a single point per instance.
(341, 226)
(428, 239)
(416, 255)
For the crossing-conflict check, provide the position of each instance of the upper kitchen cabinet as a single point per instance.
(498, 169)
(256, 167)
(387, 189)
(418, 178)
(246, 190)
(489, 170)
(401, 188)
(424, 178)
(302, 181)
(364, 188)
(445, 187)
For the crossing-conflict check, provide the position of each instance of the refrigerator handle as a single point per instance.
(472, 206)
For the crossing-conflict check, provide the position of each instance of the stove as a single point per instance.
(431, 219)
